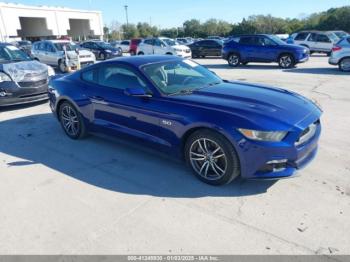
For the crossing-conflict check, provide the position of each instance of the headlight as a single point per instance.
(273, 136)
(4, 77)
(108, 51)
(50, 71)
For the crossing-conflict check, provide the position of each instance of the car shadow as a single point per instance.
(252, 66)
(21, 106)
(317, 71)
(110, 164)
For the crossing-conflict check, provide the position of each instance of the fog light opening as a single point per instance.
(3, 93)
(274, 166)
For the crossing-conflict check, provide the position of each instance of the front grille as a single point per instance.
(307, 134)
(33, 95)
(84, 56)
(33, 83)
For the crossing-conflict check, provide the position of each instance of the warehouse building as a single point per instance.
(33, 23)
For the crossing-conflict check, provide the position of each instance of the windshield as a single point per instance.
(333, 37)
(277, 40)
(180, 77)
(12, 53)
(170, 42)
(104, 45)
(340, 34)
(69, 46)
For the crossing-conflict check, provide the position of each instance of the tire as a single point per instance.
(234, 60)
(344, 64)
(62, 67)
(329, 54)
(286, 61)
(69, 114)
(140, 53)
(102, 56)
(211, 165)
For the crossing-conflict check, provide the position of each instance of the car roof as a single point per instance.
(144, 59)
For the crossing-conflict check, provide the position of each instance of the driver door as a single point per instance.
(114, 110)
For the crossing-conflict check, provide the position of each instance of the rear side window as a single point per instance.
(301, 36)
(119, 78)
(323, 39)
(247, 40)
(90, 76)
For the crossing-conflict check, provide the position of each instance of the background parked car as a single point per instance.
(163, 46)
(184, 41)
(340, 34)
(134, 43)
(316, 41)
(52, 52)
(124, 45)
(102, 50)
(24, 45)
(341, 54)
(22, 79)
(206, 48)
(263, 48)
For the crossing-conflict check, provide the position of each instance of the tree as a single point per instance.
(129, 31)
(192, 28)
(146, 30)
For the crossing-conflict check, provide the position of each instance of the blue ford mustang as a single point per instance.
(222, 129)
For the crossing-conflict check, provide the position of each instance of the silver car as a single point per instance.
(341, 54)
(52, 52)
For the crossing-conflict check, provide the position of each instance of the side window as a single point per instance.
(90, 76)
(348, 39)
(301, 36)
(125, 43)
(268, 42)
(86, 45)
(49, 48)
(246, 40)
(41, 46)
(323, 39)
(148, 42)
(119, 78)
(313, 37)
(157, 42)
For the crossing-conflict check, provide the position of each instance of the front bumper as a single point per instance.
(12, 94)
(184, 54)
(258, 159)
(304, 57)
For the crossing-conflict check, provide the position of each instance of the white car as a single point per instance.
(316, 41)
(124, 45)
(341, 55)
(52, 52)
(163, 46)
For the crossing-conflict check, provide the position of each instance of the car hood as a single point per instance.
(260, 106)
(25, 71)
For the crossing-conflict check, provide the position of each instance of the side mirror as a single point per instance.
(136, 91)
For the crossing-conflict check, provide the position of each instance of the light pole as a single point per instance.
(126, 13)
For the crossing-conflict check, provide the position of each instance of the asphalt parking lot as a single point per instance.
(103, 196)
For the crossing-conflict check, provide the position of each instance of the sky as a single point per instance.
(172, 13)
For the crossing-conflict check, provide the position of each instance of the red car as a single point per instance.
(134, 44)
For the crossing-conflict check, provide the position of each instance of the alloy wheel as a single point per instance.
(70, 121)
(208, 159)
(345, 64)
(233, 60)
(286, 61)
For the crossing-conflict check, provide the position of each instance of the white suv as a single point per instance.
(316, 41)
(341, 55)
(163, 46)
